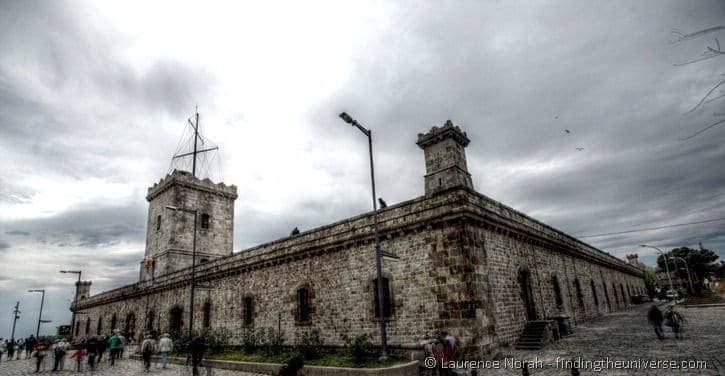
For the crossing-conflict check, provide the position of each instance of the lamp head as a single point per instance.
(347, 118)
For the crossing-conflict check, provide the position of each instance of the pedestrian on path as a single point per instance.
(12, 345)
(91, 350)
(166, 345)
(116, 344)
(59, 349)
(30, 343)
(197, 347)
(148, 347)
(655, 319)
(675, 320)
(78, 356)
(41, 351)
(3, 348)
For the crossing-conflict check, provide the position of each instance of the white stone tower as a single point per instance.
(169, 233)
(445, 158)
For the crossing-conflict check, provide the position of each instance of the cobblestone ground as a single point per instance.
(627, 336)
(125, 367)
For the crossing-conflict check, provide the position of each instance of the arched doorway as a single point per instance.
(175, 319)
(130, 327)
(527, 294)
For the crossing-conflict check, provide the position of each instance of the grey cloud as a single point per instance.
(86, 227)
(594, 73)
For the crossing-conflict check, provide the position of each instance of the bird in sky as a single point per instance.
(567, 131)
(580, 149)
(383, 204)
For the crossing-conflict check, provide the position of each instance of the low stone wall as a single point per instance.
(405, 369)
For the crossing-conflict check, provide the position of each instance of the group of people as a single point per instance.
(89, 350)
(22, 348)
(670, 318)
(443, 347)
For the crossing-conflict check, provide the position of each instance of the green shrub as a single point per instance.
(269, 340)
(218, 339)
(249, 341)
(310, 345)
(359, 347)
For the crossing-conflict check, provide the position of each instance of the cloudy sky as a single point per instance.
(94, 98)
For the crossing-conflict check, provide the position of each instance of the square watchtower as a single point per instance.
(445, 158)
(169, 233)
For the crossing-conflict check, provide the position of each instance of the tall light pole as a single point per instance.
(378, 254)
(75, 298)
(664, 258)
(16, 316)
(689, 278)
(193, 266)
(40, 315)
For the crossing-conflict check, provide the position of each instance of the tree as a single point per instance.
(699, 261)
(650, 281)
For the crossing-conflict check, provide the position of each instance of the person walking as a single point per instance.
(675, 320)
(58, 355)
(197, 347)
(11, 348)
(148, 347)
(78, 354)
(30, 343)
(655, 318)
(41, 351)
(91, 350)
(166, 345)
(3, 348)
(115, 344)
(101, 346)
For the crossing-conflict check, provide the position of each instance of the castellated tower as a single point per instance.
(169, 233)
(445, 158)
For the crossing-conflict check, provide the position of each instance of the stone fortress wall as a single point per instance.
(462, 257)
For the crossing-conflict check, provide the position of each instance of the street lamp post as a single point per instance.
(75, 298)
(378, 254)
(193, 266)
(16, 316)
(40, 315)
(664, 258)
(689, 278)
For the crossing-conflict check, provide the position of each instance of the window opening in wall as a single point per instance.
(594, 294)
(205, 221)
(386, 298)
(303, 305)
(557, 291)
(248, 311)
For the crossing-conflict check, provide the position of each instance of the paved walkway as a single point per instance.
(125, 367)
(623, 336)
(626, 336)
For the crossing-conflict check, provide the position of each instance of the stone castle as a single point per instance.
(468, 265)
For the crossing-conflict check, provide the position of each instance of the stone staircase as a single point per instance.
(536, 335)
(708, 298)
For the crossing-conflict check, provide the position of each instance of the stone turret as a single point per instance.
(83, 290)
(445, 158)
(169, 233)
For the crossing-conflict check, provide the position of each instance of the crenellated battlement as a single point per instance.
(187, 179)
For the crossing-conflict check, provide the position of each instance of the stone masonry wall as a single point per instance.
(460, 254)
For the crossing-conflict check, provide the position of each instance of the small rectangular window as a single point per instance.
(205, 221)
(303, 305)
(158, 223)
(248, 311)
(388, 309)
